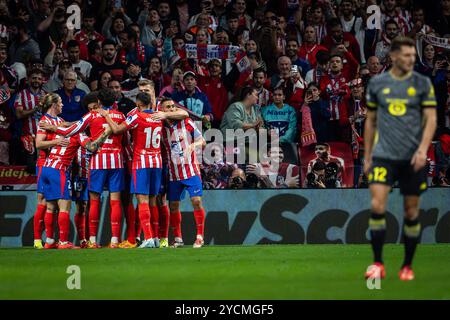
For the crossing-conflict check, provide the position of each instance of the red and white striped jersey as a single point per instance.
(109, 155)
(146, 134)
(49, 136)
(177, 137)
(61, 157)
(83, 160)
(28, 101)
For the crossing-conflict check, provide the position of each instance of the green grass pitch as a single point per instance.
(222, 272)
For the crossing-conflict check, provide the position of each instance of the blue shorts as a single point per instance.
(146, 181)
(193, 185)
(56, 184)
(164, 180)
(80, 189)
(40, 187)
(115, 178)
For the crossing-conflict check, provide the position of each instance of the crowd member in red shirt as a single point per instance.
(310, 47)
(87, 34)
(334, 88)
(214, 88)
(337, 36)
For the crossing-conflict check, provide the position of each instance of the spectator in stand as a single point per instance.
(323, 61)
(165, 14)
(94, 52)
(280, 117)
(104, 79)
(215, 90)
(81, 67)
(176, 84)
(156, 74)
(314, 116)
(232, 26)
(390, 11)
(6, 120)
(134, 51)
(56, 80)
(418, 24)
(27, 109)
(426, 65)
(259, 80)
(239, 8)
(193, 99)
(316, 16)
(7, 74)
(391, 31)
(88, 33)
(151, 27)
(110, 63)
(275, 173)
(284, 72)
(353, 24)
(309, 48)
(71, 98)
(373, 65)
(244, 114)
(206, 7)
(130, 85)
(22, 47)
(338, 37)
(123, 104)
(441, 23)
(334, 88)
(115, 24)
(292, 52)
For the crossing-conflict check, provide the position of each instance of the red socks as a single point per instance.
(131, 223)
(175, 223)
(94, 216)
(80, 224)
(49, 220)
(199, 216)
(144, 217)
(38, 221)
(155, 220)
(138, 223)
(116, 217)
(64, 226)
(164, 221)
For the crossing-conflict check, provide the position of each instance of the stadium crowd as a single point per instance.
(298, 68)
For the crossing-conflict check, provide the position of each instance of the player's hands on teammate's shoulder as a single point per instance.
(159, 115)
(47, 126)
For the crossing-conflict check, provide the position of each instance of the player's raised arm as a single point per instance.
(178, 114)
(115, 127)
(73, 129)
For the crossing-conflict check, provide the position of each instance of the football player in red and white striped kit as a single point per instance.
(106, 166)
(146, 127)
(181, 139)
(51, 106)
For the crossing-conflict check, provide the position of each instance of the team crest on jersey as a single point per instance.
(77, 99)
(411, 91)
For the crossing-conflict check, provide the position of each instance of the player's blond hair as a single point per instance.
(47, 101)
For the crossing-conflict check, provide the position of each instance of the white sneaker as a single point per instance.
(177, 242)
(156, 240)
(149, 243)
(198, 242)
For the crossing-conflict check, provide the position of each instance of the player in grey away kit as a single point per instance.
(399, 129)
